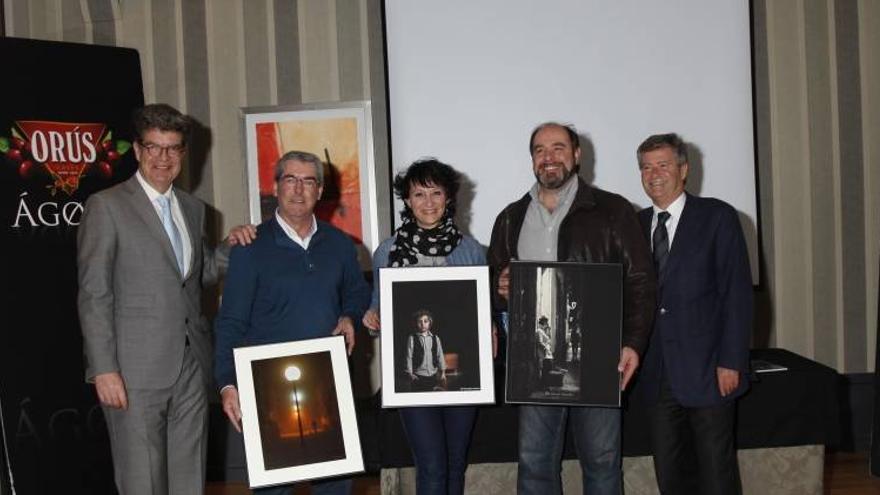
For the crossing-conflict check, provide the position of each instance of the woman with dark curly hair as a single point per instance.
(438, 436)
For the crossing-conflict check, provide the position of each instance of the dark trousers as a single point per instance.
(694, 449)
(424, 383)
(340, 486)
(439, 438)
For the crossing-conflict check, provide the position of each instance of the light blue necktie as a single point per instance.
(171, 230)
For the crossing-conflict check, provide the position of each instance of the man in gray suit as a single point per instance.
(142, 261)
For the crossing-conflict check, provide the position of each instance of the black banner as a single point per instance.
(64, 134)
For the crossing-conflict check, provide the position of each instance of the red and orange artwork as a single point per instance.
(334, 141)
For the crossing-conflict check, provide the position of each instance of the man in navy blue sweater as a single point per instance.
(299, 279)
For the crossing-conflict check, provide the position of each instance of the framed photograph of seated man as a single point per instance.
(436, 337)
(297, 411)
(564, 334)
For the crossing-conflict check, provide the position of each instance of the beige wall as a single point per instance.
(818, 107)
(817, 90)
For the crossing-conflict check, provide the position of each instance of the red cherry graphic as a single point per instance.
(106, 145)
(14, 154)
(105, 169)
(112, 156)
(20, 143)
(25, 168)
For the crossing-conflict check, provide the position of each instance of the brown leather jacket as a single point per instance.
(600, 227)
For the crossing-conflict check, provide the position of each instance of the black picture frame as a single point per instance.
(565, 323)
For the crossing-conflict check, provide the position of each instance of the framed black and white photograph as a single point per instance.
(436, 338)
(565, 323)
(297, 411)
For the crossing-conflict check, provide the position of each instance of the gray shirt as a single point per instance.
(539, 236)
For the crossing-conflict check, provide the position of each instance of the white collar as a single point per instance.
(674, 209)
(151, 191)
(291, 232)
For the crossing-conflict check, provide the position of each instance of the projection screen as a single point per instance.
(469, 80)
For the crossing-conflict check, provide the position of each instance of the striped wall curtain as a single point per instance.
(817, 89)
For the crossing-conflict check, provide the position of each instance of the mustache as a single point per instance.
(575, 169)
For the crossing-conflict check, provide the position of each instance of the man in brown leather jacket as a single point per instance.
(563, 219)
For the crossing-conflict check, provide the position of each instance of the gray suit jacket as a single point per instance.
(135, 308)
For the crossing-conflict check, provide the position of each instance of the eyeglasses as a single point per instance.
(155, 150)
(292, 180)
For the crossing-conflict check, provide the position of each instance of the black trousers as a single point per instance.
(424, 383)
(694, 448)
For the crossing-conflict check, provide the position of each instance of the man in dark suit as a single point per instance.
(142, 260)
(697, 358)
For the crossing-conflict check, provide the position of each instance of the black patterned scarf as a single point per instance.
(410, 240)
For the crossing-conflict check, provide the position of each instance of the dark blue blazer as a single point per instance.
(704, 306)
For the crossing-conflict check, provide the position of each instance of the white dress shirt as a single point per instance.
(291, 232)
(674, 209)
(176, 216)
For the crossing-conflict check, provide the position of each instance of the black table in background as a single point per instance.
(786, 408)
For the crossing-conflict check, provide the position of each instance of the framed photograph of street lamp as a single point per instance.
(564, 333)
(297, 411)
(436, 337)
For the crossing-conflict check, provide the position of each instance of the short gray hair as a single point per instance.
(300, 156)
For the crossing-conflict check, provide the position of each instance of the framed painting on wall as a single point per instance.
(341, 135)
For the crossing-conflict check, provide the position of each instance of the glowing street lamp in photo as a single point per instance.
(293, 374)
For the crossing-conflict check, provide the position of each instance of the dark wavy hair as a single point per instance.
(161, 117)
(428, 172)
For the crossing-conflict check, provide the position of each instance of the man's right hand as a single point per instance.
(504, 283)
(371, 320)
(229, 398)
(241, 235)
(111, 390)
